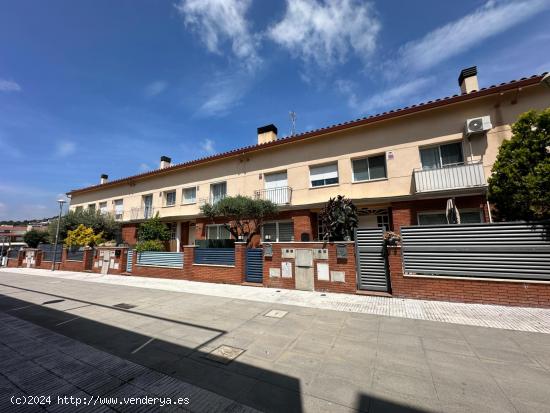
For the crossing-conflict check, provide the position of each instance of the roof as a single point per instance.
(407, 110)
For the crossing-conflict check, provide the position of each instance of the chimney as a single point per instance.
(468, 80)
(103, 179)
(165, 162)
(267, 133)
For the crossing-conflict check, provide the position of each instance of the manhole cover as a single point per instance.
(276, 313)
(224, 354)
(124, 306)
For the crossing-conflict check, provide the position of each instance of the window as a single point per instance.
(370, 168)
(323, 175)
(383, 221)
(217, 192)
(103, 208)
(172, 227)
(78, 208)
(119, 208)
(189, 195)
(170, 198)
(147, 206)
(443, 155)
(278, 231)
(440, 218)
(91, 207)
(217, 231)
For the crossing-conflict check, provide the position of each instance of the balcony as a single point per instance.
(140, 213)
(279, 196)
(469, 175)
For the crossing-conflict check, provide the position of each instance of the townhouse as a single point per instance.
(399, 167)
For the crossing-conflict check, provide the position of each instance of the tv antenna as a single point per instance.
(292, 116)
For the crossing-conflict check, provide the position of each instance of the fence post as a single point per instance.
(188, 259)
(20, 257)
(63, 258)
(37, 258)
(240, 259)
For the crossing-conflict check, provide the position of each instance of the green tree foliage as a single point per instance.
(153, 229)
(100, 223)
(83, 236)
(339, 217)
(520, 183)
(34, 237)
(150, 245)
(243, 215)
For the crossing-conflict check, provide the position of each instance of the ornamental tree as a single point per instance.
(34, 237)
(103, 223)
(83, 236)
(339, 218)
(520, 182)
(243, 215)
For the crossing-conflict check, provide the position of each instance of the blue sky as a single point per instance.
(95, 86)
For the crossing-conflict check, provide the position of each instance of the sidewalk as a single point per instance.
(512, 318)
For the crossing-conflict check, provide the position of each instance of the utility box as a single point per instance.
(304, 258)
(288, 253)
(268, 250)
(341, 251)
(320, 253)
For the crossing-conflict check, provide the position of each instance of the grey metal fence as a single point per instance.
(215, 256)
(506, 250)
(75, 254)
(160, 259)
(13, 252)
(48, 252)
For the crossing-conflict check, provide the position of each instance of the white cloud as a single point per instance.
(327, 31)
(207, 146)
(220, 21)
(143, 167)
(9, 86)
(65, 148)
(461, 35)
(155, 88)
(390, 98)
(223, 92)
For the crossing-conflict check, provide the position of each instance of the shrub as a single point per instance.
(153, 229)
(150, 245)
(339, 217)
(83, 236)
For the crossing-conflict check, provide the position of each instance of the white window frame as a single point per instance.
(103, 208)
(119, 213)
(210, 195)
(217, 231)
(443, 212)
(283, 221)
(183, 200)
(368, 166)
(91, 207)
(438, 146)
(165, 197)
(319, 166)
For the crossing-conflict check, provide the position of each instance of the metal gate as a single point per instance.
(370, 250)
(129, 260)
(254, 265)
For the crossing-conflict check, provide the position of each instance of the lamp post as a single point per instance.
(61, 202)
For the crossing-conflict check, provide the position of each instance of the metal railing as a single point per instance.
(140, 213)
(160, 259)
(215, 256)
(280, 196)
(468, 175)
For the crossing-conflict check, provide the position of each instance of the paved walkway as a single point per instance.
(485, 315)
(302, 360)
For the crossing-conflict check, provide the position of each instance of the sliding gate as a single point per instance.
(254, 265)
(370, 250)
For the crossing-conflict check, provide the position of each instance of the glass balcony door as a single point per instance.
(276, 188)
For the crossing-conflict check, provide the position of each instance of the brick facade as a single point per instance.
(129, 233)
(527, 294)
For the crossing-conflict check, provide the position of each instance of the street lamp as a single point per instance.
(61, 202)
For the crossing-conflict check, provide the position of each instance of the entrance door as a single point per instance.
(254, 265)
(372, 273)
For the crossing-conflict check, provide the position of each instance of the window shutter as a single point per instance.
(286, 231)
(324, 172)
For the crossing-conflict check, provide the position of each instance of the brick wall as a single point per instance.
(469, 291)
(405, 213)
(129, 233)
(120, 260)
(346, 265)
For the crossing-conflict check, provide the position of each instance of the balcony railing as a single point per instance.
(279, 196)
(141, 213)
(211, 200)
(469, 175)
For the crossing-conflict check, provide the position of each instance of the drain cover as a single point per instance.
(276, 313)
(124, 306)
(224, 354)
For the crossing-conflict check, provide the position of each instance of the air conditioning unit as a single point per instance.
(477, 125)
